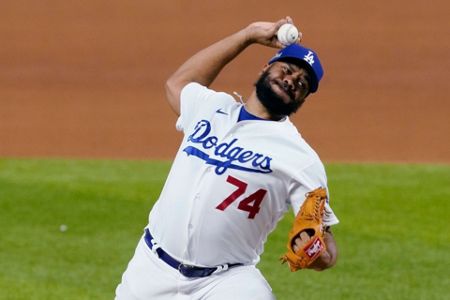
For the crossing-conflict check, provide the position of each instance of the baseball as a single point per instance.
(288, 34)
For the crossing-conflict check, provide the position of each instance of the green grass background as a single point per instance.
(393, 238)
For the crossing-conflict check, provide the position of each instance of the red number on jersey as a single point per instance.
(242, 186)
(251, 204)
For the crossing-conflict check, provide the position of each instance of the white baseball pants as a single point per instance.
(148, 277)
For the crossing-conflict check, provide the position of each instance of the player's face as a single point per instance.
(282, 88)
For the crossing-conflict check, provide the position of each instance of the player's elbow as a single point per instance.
(173, 92)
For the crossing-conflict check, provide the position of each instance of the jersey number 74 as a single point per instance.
(250, 204)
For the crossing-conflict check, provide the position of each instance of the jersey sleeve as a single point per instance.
(196, 99)
(307, 180)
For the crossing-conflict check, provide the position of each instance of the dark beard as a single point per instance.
(272, 102)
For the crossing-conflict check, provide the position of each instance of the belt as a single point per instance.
(186, 270)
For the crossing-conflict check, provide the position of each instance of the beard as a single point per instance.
(274, 104)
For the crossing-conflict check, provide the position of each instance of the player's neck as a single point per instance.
(254, 106)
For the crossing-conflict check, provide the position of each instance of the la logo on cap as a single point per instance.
(309, 58)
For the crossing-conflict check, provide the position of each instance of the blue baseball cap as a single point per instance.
(306, 57)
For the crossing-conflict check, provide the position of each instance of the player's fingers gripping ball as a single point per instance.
(288, 34)
(309, 220)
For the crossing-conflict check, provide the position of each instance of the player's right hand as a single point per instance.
(265, 33)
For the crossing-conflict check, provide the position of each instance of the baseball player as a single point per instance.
(239, 169)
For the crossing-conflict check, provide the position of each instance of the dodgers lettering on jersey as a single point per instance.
(224, 155)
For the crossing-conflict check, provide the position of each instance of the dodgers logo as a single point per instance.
(227, 155)
(309, 57)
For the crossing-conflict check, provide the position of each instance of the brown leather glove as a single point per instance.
(309, 220)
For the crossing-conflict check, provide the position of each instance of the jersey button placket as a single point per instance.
(190, 228)
(191, 225)
(191, 221)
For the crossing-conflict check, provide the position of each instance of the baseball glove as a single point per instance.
(309, 220)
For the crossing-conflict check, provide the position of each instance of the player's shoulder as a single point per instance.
(197, 90)
(199, 102)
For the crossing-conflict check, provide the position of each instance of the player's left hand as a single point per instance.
(301, 241)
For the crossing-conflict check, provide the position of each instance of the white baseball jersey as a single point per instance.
(231, 182)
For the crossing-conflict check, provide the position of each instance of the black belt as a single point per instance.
(186, 270)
